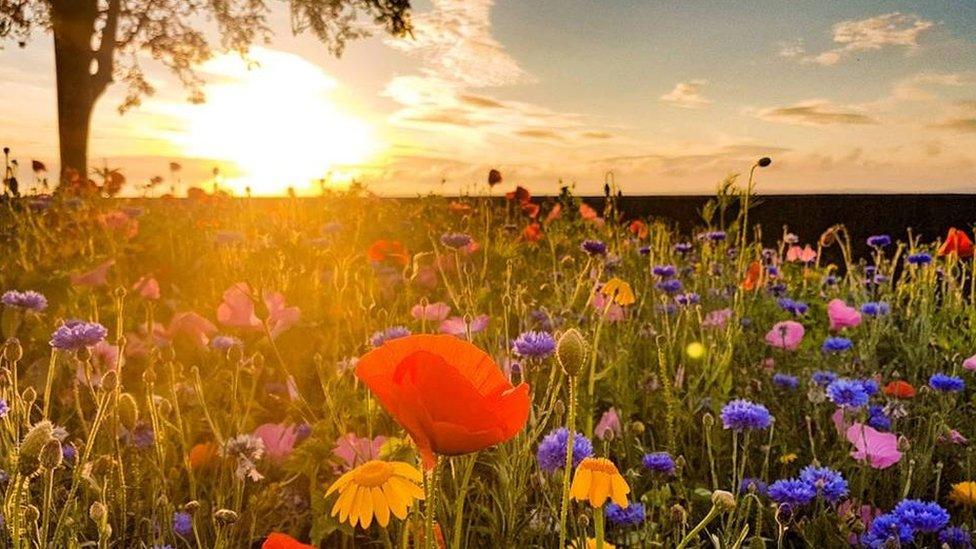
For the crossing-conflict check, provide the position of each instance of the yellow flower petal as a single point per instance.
(619, 490)
(407, 471)
(600, 490)
(364, 507)
(581, 483)
(344, 503)
(380, 506)
(341, 483)
(398, 501)
(407, 487)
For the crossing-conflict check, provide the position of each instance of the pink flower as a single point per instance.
(457, 326)
(785, 335)
(279, 440)
(842, 316)
(354, 451)
(970, 363)
(195, 328)
(119, 222)
(840, 421)
(138, 344)
(879, 449)
(95, 277)
(615, 313)
(805, 255)
(609, 423)
(237, 309)
(433, 312)
(280, 316)
(105, 358)
(147, 287)
(717, 319)
(953, 437)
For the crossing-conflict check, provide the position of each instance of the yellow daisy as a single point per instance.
(787, 458)
(619, 291)
(376, 488)
(964, 493)
(597, 479)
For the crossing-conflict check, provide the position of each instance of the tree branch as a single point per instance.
(105, 54)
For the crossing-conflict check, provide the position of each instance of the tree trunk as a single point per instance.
(73, 23)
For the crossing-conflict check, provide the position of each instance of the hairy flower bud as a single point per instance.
(51, 454)
(128, 411)
(725, 501)
(35, 439)
(571, 352)
(97, 512)
(225, 517)
(13, 351)
(110, 381)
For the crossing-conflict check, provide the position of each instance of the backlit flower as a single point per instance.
(431, 312)
(376, 489)
(75, 334)
(28, 301)
(741, 415)
(619, 291)
(609, 425)
(956, 242)
(596, 480)
(279, 439)
(448, 394)
(277, 540)
(551, 454)
(388, 251)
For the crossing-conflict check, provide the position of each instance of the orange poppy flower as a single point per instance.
(459, 208)
(638, 228)
(447, 393)
(532, 232)
(203, 456)
(520, 194)
(554, 214)
(530, 209)
(899, 389)
(753, 276)
(388, 250)
(277, 540)
(587, 212)
(956, 242)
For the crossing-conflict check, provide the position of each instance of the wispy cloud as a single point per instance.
(964, 125)
(874, 33)
(687, 95)
(815, 112)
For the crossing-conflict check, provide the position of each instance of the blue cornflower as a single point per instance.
(689, 298)
(956, 538)
(75, 334)
(879, 241)
(534, 345)
(871, 386)
(922, 516)
(644, 250)
(823, 377)
(455, 240)
(4, 408)
(786, 381)
(142, 436)
(836, 344)
(594, 247)
(946, 383)
(659, 462)
(182, 524)
(741, 414)
(887, 527)
(872, 308)
(830, 280)
(224, 342)
(791, 492)
(920, 259)
(790, 306)
(848, 392)
(878, 419)
(683, 247)
(827, 482)
(632, 515)
(670, 285)
(551, 454)
(69, 452)
(777, 289)
(664, 271)
(749, 484)
(393, 332)
(29, 300)
(714, 236)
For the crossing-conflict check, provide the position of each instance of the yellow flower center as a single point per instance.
(373, 473)
(599, 465)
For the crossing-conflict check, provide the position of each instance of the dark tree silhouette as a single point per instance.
(98, 42)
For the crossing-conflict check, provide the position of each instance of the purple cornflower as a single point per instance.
(741, 414)
(827, 482)
(455, 240)
(632, 515)
(670, 285)
(683, 247)
(878, 419)
(689, 298)
(4, 408)
(836, 344)
(664, 271)
(714, 236)
(786, 381)
(790, 306)
(594, 247)
(946, 383)
(848, 392)
(393, 332)
(823, 377)
(791, 492)
(956, 538)
(920, 259)
(224, 342)
(182, 524)
(534, 345)
(28, 300)
(75, 334)
(872, 308)
(660, 462)
(921, 516)
(879, 241)
(885, 528)
(551, 454)
(748, 484)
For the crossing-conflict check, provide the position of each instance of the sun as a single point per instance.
(273, 117)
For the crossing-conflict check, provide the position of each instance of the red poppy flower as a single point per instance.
(447, 393)
(277, 540)
(459, 208)
(899, 389)
(638, 228)
(956, 242)
(388, 250)
(530, 209)
(520, 194)
(532, 232)
(753, 275)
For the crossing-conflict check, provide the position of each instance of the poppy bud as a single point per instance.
(584, 521)
(637, 427)
(29, 396)
(31, 513)
(97, 512)
(51, 454)
(191, 506)
(128, 411)
(494, 177)
(225, 517)
(559, 408)
(678, 514)
(571, 352)
(708, 420)
(110, 381)
(35, 439)
(149, 376)
(120, 292)
(725, 501)
(764, 161)
(13, 351)
(903, 444)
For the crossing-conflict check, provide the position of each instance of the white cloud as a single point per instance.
(874, 33)
(815, 112)
(687, 95)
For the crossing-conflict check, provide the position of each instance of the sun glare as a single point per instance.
(276, 121)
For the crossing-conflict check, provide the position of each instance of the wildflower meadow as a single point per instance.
(490, 370)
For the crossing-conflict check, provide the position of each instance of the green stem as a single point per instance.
(712, 513)
(567, 471)
(598, 526)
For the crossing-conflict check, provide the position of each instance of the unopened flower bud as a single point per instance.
(29, 396)
(725, 501)
(128, 411)
(51, 454)
(571, 352)
(110, 381)
(97, 512)
(35, 439)
(191, 506)
(13, 351)
(678, 514)
(31, 513)
(637, 427)
(708, 420)
(225, 517)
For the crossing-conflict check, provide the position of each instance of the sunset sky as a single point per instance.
(671, 96)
